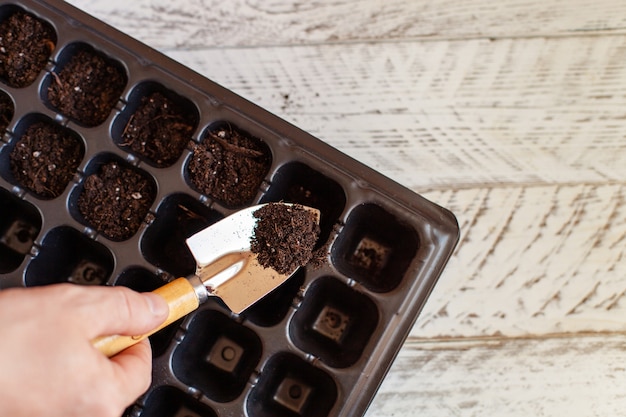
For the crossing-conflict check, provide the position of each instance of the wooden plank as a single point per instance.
(194, 23)
(559, 376)
(531, 260)
(435, 114)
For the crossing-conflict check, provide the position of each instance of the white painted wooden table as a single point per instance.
(510, 113)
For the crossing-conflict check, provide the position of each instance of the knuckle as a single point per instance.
(124, 304)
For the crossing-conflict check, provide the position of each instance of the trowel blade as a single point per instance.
(227, 266)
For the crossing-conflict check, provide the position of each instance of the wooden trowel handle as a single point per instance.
(182, 299)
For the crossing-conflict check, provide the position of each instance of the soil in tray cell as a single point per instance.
(45, 158)
(115, 200)
(229, 165)
(158, 130)
(25, 45)
(87, 87)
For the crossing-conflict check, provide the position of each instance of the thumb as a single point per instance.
(119, 310)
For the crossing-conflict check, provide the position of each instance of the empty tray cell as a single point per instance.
(156, 124)
(20, 224)
(228, 165)
(42, 157)
(85, 84)
(26, 43)
(66, 255)
(217, 356)
(178, 217)
(291, 387)
(334, 322)
(139, 279)
(114, 197)
(299, 183)
(375, 248)
(166, 401)
(142, 280)
(273, 308)
(7, 109)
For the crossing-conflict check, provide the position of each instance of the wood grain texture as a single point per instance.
(576, 376)
(442, 114)
(532, 261)
(511, 114)
(211, 23)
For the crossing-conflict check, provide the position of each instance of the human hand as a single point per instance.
(48, 365)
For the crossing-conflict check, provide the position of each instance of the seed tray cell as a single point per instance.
(42, 157)
(20, 224)
(178, 217)
(156, 124)
(85, 84)
(168, 157)
(217, 356)
(19, 69)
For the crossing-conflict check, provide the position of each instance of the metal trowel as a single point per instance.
(225, 268)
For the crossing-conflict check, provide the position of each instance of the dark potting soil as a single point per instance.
(115, 201)
(45, 159)
(285, 236)
(229, 166)
(158, 130)
(25, 46)
(6, 111)
(87, 88)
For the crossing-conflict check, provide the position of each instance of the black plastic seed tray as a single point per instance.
(320, 344)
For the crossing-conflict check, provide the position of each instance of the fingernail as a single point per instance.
(158, 306)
